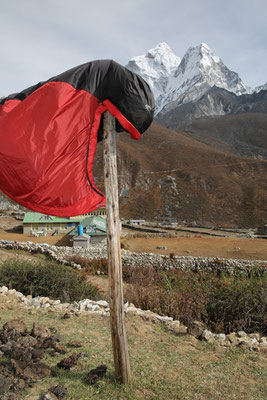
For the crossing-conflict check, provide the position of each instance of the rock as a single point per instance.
(95, 374)
(55, 302)
(254, 336)
(3, 289)
(102, 303)
(40, 331)
(48, 396)
(178, 329)
(36, 303)
(241, 334)
(196, 328)
(233, 339)
(147, 316)
(44, 300)
(244, 341)
(263, 339)
(207, 336)
(59, 391)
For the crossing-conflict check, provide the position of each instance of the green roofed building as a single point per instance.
(37, 223)
(95, 227)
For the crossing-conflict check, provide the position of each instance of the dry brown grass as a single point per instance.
(202, 246)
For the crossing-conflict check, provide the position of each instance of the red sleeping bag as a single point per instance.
(49, 133)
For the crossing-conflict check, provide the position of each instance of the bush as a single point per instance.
(224, 303)
(91, 266)
(46, 279)
(237, 304)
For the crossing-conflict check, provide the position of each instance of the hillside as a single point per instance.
(169, 176)
(244, 134)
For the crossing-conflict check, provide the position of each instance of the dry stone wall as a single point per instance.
(205, 264)
(254, 341)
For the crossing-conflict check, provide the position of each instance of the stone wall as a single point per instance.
(205, 264)
(254, 341)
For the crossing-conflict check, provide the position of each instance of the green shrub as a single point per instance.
(46, 279)
(224, 303)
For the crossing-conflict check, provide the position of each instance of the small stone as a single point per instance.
(207, 336)
(102, 303)
(44, 300)
(55, 302)
(263, 339)
(196, 328)
(49, 396)
(178, 329)
(254, 336)
(241, 334)
(3, 289)
(233, 339)
(12, 291)
(35, 303)
(46, 305)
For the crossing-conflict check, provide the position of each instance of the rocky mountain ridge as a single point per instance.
(176, 82)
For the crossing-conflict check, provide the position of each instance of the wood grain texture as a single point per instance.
(118, 332)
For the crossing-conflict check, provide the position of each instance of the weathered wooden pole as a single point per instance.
(118, 333)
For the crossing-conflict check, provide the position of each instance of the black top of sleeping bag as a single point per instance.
(107, 80)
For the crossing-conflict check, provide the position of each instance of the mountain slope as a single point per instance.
(244, 134)
(169, 176)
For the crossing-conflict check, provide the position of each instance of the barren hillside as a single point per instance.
(169, 176)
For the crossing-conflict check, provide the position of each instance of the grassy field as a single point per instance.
(164, 366)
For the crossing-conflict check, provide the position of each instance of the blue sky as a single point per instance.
(41, 38)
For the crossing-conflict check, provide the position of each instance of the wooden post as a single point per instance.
(118, 333)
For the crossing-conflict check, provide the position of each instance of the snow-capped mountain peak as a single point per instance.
(156, 67)
(163, 56)
(176, 81)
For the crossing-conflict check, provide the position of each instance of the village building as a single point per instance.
(95, 227)
(41, 224)
(100, 212)
(81, 241)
